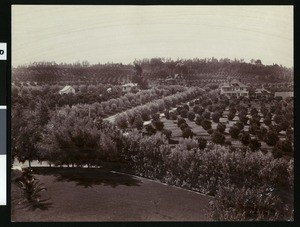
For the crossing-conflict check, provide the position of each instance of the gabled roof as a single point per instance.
(233, 83)
(66, 88)
(261, 90)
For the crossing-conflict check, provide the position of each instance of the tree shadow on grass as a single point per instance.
(88, 177)
(41, 205)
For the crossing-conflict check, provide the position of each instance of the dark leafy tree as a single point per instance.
(206, 115)
(239, 125)
(278, 119)
(216, 117)
(202, 143)
(282, 147)
(199, 120)
(230, 116)
(271, 138)
(184, 126)
(191, 115)
(261, 133)
(150, 129)
(245, 138)
(138, 122)
(218, 137)
(234, 132)
(167, 114)
(253, 129)
(221, 127)
(254, 144)
(187, 133)
(159, 125)
(167, 133)
(183, 113)
(206, 124)
(180, 121)
(267, 121)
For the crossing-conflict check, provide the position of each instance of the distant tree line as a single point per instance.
(152, 68)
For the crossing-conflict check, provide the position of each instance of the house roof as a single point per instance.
(261, 90)
(129, 85)
(233, 83)
(66, 88)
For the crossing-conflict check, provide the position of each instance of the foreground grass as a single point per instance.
(77, 194)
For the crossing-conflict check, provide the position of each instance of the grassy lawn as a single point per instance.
(103, 195)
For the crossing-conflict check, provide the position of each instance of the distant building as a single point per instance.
(234, 88)
(109, 90)
(67, 90)
(127, 87)
(262, 92)
(175, 79)
(284, 94)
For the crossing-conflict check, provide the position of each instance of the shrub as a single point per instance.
(31, 189)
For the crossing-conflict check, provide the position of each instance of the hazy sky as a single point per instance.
(124, 33)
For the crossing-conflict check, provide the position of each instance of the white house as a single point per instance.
(127, 87)
(234, 88)
(67, 90)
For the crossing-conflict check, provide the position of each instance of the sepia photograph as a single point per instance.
(152, 113)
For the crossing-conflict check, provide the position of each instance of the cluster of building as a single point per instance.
(232, 88)
(125, 88)
(235, 88)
